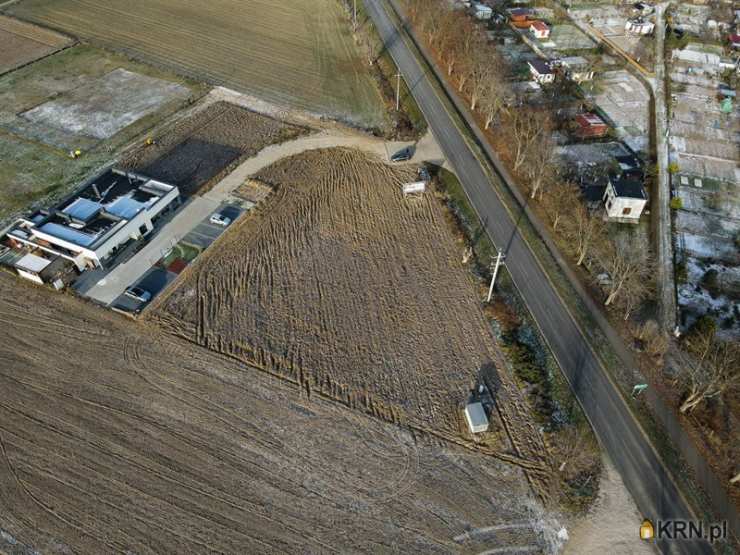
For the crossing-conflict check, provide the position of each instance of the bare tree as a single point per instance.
(452, 39)
(630, 268)
(480, 74)
(431, 21)
(493, 101)
(655, 340)
(582, 231)
(526, 128)
(706, 368)
(560, 199)
(540, 167)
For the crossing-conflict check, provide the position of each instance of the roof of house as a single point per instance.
(539, 26)
(32, 263)
(629, 188)
(593, 193)
(540, 66)
(520, 11)
(574, 61)
(628, 161)
(588, 119)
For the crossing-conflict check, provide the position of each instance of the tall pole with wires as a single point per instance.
(499, 260)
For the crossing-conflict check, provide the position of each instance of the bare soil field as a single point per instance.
(339, 284)
(21, 43)
(199, 149)
(117, 438)
(70, 92)
(300, 53)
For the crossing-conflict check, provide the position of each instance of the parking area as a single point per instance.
(152, 282)
(206, 232)
(160, 260)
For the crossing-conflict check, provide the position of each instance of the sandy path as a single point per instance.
(613, 523)
(426, 150)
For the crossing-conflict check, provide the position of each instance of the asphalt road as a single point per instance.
(656, 495)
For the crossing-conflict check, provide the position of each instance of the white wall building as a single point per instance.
(624, 200)
(541, 71)
(91, 225)
(577, 68)
(639, 26)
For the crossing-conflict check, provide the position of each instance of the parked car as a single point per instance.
(403, 155)
(220, 219)
(138, 293)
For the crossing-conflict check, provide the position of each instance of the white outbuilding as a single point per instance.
(475, 414)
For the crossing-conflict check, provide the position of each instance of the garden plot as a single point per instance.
(568, 37)
(35, 155)
(338, 283)
(104, 106)
(195, 151)
(21, 43)
(625, 102)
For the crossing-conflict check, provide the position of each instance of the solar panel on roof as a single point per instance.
(82, 209)
(68, 234)
(125, 207)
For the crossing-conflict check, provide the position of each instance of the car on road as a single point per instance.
(139, 294)
(219, 219)
(403, 155)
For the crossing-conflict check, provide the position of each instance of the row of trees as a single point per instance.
(524, 139)
(705, 367)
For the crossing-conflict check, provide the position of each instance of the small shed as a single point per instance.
(590, 125)
(475, 414)
(31, 266)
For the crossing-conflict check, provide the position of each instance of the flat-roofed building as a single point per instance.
(88, 227)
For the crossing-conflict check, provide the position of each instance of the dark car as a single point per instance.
(403, 155)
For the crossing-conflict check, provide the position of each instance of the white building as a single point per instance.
(577, 68)
(539, 29)
(475, 414)
(541, 71)
(482, 12)
(90, 226)
(624, 200)
(639, 26)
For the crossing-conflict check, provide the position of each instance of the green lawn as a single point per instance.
(35, 168)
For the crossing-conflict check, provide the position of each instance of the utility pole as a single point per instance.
(398, 91)
(499, 260)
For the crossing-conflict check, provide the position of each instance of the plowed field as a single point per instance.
(298, 53)
(21, 43)
(115, 438)
(198, 149)
(341, 285)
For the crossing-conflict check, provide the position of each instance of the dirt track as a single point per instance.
(116, 438)
(195, 151)
(340, 285)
